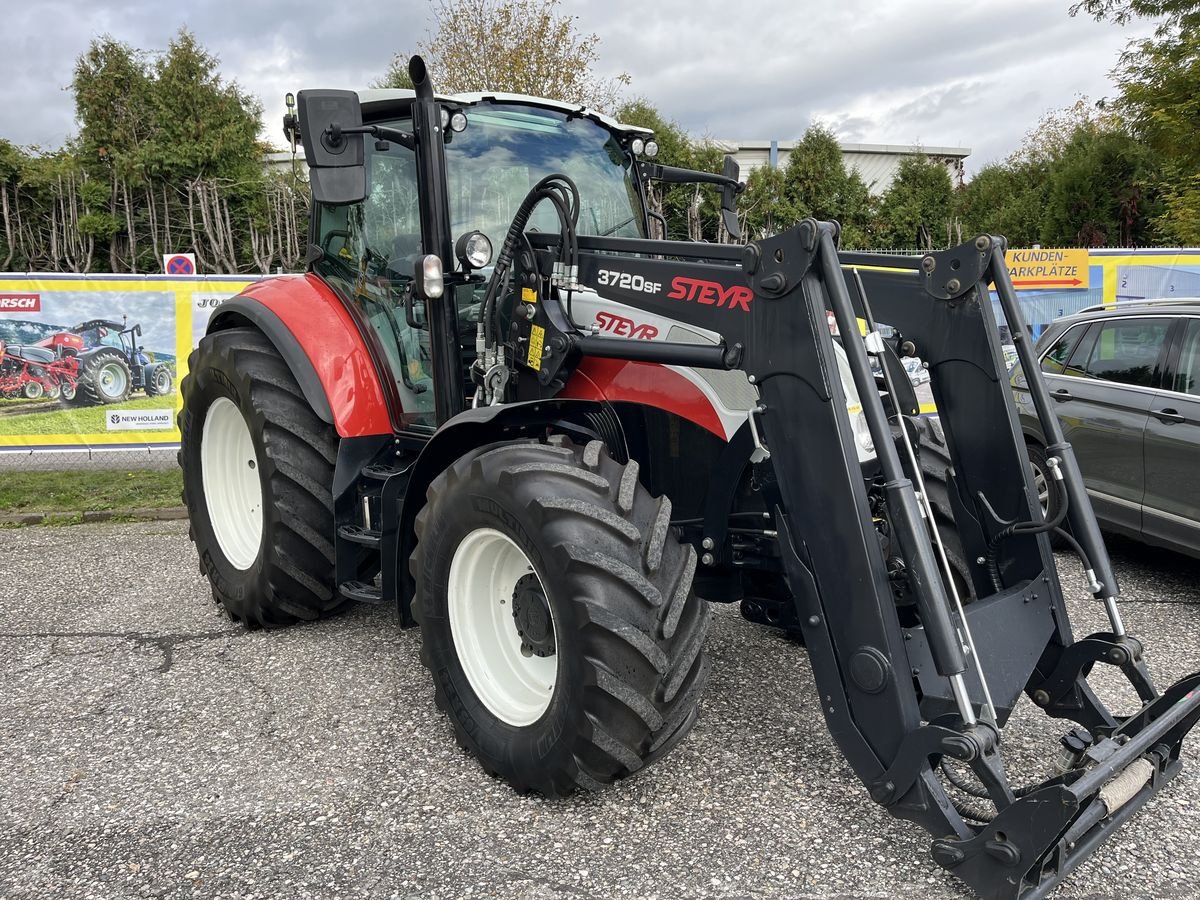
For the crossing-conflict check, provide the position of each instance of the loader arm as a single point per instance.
(898, 696)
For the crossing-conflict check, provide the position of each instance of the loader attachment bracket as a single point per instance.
(1057, 693)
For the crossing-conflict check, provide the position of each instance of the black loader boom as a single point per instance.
(910, 674)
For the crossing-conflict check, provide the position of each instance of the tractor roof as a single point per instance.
(379, 102)
(98, 323)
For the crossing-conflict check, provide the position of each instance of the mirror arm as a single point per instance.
(673, 175)
(381, 132)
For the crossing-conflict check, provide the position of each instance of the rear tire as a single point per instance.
(105, 378)
(265, 542)
(611, 579)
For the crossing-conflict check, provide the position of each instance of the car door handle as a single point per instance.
(1062, 394)
(1167, 415)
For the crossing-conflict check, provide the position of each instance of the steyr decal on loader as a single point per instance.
(711, 293)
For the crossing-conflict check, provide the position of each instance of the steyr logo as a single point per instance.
(623, 327)
(20, 302)
(711, 293)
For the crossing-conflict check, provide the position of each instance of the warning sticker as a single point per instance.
(537, 334)
(529, 295)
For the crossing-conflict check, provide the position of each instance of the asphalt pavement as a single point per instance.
(151, 748)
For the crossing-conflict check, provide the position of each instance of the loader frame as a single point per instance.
(898, 699)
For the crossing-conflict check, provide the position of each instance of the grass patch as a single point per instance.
(78, 420)
(87, 491)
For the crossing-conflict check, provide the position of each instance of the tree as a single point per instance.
(917, 209)
(814, 182)
(1159, 80)
(1007, 198)
(1100, 191)
(1176, 13)
(167, 159)
(518, 46)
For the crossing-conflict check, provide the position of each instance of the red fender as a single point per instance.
(314, 315)
(651, 384)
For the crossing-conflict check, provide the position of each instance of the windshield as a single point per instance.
(506, 150)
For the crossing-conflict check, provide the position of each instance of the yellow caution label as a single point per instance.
(529, 295)
(537, 334)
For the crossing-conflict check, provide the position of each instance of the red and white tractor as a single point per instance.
(493, 401)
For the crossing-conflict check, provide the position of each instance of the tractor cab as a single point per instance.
(497, 147)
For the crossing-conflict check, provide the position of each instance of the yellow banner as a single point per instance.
(95, 361)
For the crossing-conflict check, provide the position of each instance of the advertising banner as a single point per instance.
(95, 361)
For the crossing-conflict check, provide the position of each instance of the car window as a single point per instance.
(1187, 372)
(1127, 350)
(1055, 361)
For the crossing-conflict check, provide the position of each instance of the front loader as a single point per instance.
(496, 403)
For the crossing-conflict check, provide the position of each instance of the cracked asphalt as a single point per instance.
(150, 748)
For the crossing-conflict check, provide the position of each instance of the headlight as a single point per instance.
(473, 250)
(458, 122)
(637, 145)
(445, 118)
(652, 149)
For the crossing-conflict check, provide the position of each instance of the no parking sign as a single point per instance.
(179, 263)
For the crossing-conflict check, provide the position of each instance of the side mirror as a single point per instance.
(729, 191)
(330, 128)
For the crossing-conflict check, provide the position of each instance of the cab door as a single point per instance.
(368, 254)
(1171, 507)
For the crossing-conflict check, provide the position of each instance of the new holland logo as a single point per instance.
(20, 302)
(140, 420)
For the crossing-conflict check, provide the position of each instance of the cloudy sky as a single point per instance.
(932, 72)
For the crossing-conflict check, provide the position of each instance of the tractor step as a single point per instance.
(380, 473)
(360, 591)
(368, 537)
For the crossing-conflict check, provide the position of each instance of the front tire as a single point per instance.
(258, 482)
(934, 456)
(158, 381)
(606, 670)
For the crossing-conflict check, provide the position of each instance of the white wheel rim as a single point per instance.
(232, 486)
(112, 380)
(483, 576)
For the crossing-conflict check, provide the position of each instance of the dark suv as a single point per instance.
(1127, 382)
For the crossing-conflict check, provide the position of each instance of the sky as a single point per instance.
(927, 72)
